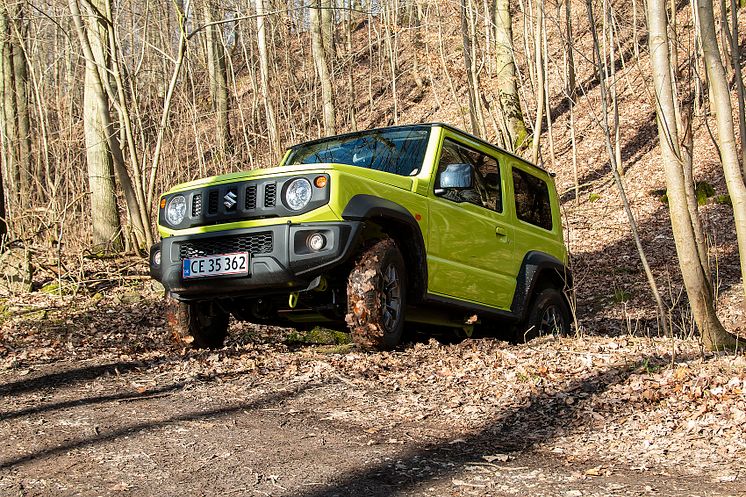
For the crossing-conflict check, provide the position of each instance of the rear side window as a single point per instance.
(532, 199)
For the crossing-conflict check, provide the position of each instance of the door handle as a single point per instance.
(500, 231)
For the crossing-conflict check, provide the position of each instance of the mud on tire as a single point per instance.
(201, 325)
(376, 297)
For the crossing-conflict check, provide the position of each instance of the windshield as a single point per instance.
(397, 150)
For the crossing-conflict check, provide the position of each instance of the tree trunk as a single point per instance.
(9, 131)
(570, 47)
(327, 30)
(322, 68)
(601, 75)
(269, 106)
(539, 90)
(104, 212)
(674, 157)
(475, 105)
(416, 40)
(510, 104)
(93, 40)
(218, 80)
(721, 106)
(736, 62)
(18, 33)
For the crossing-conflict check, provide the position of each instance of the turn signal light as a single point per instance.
(163, 203)
(320, 181)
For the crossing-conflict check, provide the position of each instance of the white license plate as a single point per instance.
(216, 265)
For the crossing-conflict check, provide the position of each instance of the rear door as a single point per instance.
(537, 226)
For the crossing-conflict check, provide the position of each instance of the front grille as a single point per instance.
(212, 202)
(250, 203)
(270, 194)
(197, 205)
(256, 243)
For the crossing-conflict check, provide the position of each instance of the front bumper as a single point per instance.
(280, 261)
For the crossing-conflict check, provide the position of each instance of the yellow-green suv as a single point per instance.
(420, 223)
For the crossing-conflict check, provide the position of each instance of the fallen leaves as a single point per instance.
(610, 400)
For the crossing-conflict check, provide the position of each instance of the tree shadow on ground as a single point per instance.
(100, 399)
(68, 377)
(269, 400)
(546, 416)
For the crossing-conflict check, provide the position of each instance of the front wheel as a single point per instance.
(549, 315)
(202, 325)
(376, 297)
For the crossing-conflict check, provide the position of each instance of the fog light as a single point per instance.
(316, 242)
(157, 258)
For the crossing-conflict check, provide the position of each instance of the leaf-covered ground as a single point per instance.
(97, 400)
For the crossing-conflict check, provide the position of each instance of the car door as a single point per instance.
(470, 240)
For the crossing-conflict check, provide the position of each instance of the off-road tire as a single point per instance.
(200, 325)
(376, 297)
(549, 315)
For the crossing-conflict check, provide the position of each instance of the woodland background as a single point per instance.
(106, 104)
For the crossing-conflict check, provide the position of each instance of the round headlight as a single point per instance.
(176, 210)
(298, 193)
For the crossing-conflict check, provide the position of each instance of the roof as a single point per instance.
(424, 126)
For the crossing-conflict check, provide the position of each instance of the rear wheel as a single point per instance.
(202, 325)
(549, 315)
(376, 297)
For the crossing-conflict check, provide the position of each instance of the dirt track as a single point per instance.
(89, 409)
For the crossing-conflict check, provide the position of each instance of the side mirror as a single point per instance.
(458, 176)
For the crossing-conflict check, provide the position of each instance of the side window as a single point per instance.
(532, 199)
(486, 191)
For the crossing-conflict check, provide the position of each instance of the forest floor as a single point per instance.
(96, 399)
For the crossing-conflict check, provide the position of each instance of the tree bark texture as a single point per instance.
(104, 213)
(539, 90)
(721, 106)
(475, 104)
(269, 106)
(510, 104)
(322, 69)
(218, 79)
(9, 134)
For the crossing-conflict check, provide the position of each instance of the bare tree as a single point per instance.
(17, 36)
(721, 106)
(510, 104)
(539, 90)
(601, 75)
(9, 126)
(470, 60)
(677, 160)
(269, 105)
(218, 76)
(322, 69)
(98, 134)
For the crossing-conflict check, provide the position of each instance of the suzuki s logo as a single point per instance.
(230, 200)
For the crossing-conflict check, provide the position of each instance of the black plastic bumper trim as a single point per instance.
(283, 269)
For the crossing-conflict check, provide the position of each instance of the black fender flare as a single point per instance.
(363, 207)
(536, 266)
